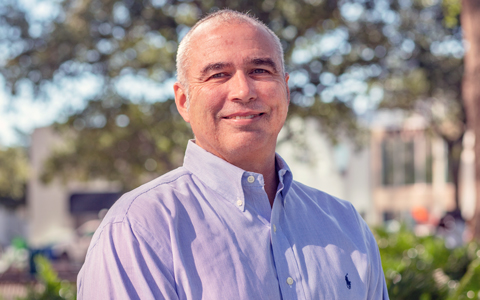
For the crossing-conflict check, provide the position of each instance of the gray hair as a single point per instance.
(224, 16)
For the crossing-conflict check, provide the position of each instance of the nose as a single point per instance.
(242, 88)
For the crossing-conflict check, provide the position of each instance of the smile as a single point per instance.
(243, 117)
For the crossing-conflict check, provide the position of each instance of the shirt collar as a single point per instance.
(285, 176)
(216, 173)
(225, 178)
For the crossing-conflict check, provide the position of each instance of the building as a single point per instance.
(57, 210)
(403, 168)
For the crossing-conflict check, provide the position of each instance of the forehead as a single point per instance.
(229, 42)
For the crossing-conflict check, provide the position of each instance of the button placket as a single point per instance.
(284, 258)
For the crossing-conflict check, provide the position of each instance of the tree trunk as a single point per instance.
(454, 151)
(470, 20)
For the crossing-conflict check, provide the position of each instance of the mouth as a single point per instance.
(243, 117)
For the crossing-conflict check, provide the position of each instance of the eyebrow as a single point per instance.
(264, 62)
(255, 61)
(215, 67)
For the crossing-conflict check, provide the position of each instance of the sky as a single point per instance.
(24, 112)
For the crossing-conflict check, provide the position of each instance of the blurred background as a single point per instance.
(385, 106)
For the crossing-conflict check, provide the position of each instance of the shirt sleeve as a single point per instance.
(377, 288)
(125, 262)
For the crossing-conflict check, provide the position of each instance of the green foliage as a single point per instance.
(389, 52)
(122, 142)
(415, 268)
(452, 9)
(13, 172)
(423, 268)
(52, 288)
(469, 285)
(111, 40)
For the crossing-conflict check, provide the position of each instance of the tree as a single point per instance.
(126, 143)
(344, 58)
(426, 76)
(111, 41)
(471, 90)
(416, 49)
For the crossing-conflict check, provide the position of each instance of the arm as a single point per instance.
(125, 262)
(377, 287)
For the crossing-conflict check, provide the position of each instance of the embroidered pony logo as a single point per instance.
(349, 283)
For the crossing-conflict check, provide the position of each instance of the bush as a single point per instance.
(51, 287)
(415, 268)
(424, 268)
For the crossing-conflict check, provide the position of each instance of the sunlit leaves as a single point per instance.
(451, 9)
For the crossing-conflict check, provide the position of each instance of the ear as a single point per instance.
(287, 77)
(181, 101)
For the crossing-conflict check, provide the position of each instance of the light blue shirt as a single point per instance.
(206, 231)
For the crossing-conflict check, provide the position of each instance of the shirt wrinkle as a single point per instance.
(147, 241)
(148, 190)
(183, 240)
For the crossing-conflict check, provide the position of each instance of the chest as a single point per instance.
(245, 256)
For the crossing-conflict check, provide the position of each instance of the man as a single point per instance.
(231, 223)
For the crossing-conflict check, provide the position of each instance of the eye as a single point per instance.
(218, 75)
(259, 71)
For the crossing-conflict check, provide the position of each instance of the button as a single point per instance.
(274, 228)
(251, 179)
(290, 280)
(239, 202)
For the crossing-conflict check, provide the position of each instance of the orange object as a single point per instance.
(420, 214)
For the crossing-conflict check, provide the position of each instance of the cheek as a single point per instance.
(207, 99)
(277, 97)
(203, 116)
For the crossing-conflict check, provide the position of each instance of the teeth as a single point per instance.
(243, 117)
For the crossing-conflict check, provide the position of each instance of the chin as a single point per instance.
(250, 144)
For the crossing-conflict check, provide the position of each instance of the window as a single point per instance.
(406, 159)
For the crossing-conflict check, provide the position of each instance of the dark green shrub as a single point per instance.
(424, 268)
(51, 287)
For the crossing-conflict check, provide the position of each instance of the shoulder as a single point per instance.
(159, 188)
(332, 211)
(145, 210)
(321, 199)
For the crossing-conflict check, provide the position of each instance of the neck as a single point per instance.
(260, 161)
(271, 184)
(266, 167)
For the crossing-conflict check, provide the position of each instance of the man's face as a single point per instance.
(238, 93)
